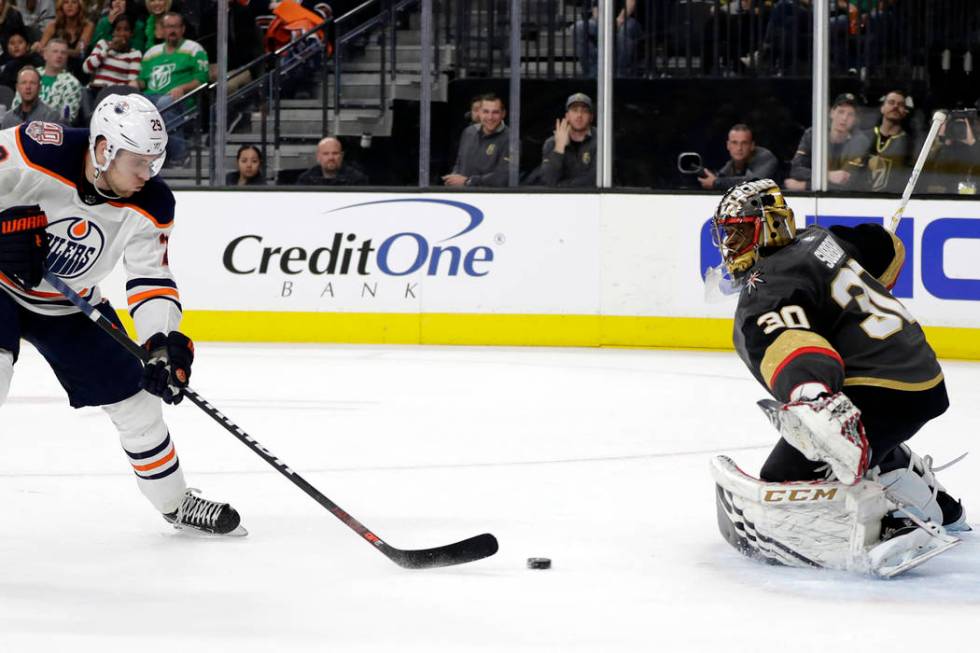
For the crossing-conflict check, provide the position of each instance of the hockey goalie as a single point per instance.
(853, 378)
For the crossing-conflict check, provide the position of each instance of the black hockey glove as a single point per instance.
(23, 244)
(168, 369)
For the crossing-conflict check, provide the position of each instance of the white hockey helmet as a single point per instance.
(128, 122)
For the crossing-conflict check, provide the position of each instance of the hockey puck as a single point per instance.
(539, 563)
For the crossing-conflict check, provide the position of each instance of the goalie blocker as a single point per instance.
(823, 524)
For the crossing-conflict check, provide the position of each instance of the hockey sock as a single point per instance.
(150, 450)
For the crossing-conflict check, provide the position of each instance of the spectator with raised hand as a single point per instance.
(249, 172)
(30, 106)
(748, 161)
(484, 149)
(115, 61)
(71, 24)
(60, 90)
(36, 15)
(847, 151)
(330, 169)
(105, 26)
(890, 152)
(17, 54)
(568, 156)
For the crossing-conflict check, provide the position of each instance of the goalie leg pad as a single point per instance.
(151, 452)
(817, 524)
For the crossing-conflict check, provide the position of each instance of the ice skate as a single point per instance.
(204, 516)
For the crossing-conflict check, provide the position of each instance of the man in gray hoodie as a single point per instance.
(484, 149)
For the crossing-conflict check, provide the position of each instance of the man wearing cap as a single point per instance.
(846, 153)
(484, 149)
(568, 157)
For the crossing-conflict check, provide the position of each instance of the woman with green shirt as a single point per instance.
(103, 28)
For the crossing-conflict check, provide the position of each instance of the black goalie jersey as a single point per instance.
(819, 311)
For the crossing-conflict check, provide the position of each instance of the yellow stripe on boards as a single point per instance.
(503, 330)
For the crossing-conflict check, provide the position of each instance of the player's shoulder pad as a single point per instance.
(155, 201)
(53, 148)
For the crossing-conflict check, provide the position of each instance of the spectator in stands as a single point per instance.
(113, 62)
(70, 23)
(106, 25)
(847, 150)
(890, 152)
(585, 33)
(10, 20)
(568, 157)
(788, 41)
(473, 115)
(953, 166)
(249, 173)
(31, 107)
(60, 90)
(484, 150)
(172, 69)
(749, 161)
(17, 54)
(153, 33)
(169, 71)
(330, 169)
(36, 15)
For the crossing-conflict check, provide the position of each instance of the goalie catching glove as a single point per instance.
(168, 368)
(23, 244)
(826, 429)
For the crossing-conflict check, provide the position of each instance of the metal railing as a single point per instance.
(717, 38)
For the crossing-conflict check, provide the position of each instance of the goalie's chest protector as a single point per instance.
(814, 286)
(43, 164)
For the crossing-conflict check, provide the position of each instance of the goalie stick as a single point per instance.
(468, 550)
(938, 118)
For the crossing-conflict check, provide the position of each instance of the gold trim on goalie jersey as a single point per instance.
(790, 344)
(895, 385)
(890, 275)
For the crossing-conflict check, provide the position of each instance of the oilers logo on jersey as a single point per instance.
(76, 244)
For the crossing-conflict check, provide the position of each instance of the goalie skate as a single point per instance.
(822, 524)
(199, 515)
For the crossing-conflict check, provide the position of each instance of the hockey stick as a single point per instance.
(468, 550)
(938, 119)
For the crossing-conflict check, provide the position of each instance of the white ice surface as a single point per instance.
(597, 459)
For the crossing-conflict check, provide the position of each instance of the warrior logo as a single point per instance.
(76, 244)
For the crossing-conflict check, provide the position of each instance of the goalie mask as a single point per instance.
(750, 216)
(127, 122)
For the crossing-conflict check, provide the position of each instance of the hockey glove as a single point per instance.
(23, 244)
(168, 368)
(828, 429)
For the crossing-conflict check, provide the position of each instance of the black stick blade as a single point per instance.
(468, 550)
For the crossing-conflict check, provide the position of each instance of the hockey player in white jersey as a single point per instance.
(73, 202)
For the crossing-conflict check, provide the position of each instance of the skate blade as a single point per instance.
(938, 544)
(189, 531)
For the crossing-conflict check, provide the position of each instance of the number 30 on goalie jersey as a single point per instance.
(819, 311)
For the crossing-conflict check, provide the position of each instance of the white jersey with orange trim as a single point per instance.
(44, 163)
